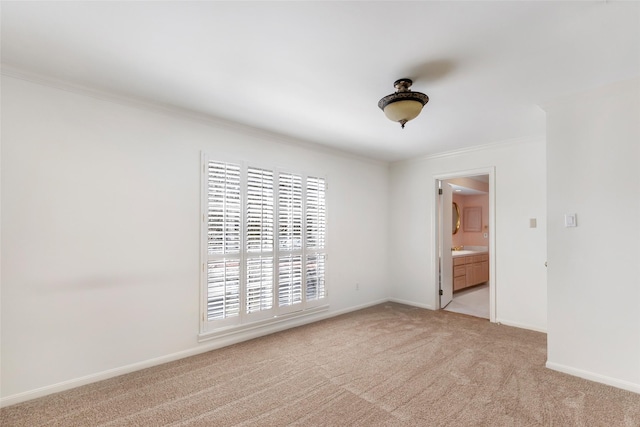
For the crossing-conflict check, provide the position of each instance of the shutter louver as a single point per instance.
(316, 215)
(290, 223)
(223, 289)
(259, 284)
(290, 212)
(259, 210)
(315, 277)
(223, 208)
(315, 239)
(289, 280)
(260, 240)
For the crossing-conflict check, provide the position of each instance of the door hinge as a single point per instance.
(440, 191)
(441, 293)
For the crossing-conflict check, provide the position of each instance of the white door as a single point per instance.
(445, 243)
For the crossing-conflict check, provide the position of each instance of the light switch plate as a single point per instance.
(533, 222)
(570, 220)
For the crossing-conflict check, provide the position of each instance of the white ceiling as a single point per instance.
(316, 70)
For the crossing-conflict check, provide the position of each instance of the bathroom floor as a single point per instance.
(474, 301)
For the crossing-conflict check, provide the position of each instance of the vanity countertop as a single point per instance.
(466, 252)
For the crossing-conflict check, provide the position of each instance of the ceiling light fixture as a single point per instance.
(404, 105)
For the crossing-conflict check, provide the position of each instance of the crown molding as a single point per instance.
(506, 143)
(174, 111)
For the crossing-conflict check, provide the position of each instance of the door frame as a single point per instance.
(444, 238)
(491, 171)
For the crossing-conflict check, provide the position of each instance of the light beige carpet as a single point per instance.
(389, 365)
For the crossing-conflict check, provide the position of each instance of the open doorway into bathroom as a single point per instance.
(466, 257)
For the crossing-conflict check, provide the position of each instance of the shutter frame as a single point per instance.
(264, 243)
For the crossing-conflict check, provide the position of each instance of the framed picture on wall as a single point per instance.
(472, 218)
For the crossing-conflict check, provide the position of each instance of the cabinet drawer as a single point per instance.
(459, 271)
(459, 283)
(461, 260)
(478, 258)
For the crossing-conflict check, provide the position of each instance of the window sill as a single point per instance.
(268, 325)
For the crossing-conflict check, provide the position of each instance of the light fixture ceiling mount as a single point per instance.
(404, 104)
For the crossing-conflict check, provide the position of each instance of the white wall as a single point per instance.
(593, 158)
(100, 232)
(520, 276)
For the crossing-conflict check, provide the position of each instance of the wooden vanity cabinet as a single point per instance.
(459, 275)
(470, 270)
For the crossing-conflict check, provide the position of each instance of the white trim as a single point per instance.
(603, 379)
(469, 150)
(491, 171)
(230, 339)
(220, 342)
(412, 304)
(520, 325)
(260, 324)
(174, 111)
(357, 307)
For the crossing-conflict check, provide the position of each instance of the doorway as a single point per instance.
(465, 257)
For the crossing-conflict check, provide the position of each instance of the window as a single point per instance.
(265, 243)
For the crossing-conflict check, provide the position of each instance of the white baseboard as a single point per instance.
(356, 308)
(88, 379)
(521, 325)
(614, 382)
(202, 348)
(411, 303)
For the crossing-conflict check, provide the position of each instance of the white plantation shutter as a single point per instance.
(316, 215)
(260, 214)
(316, 225)
(289, 280)
(290, 234)
(260, 239)
(315, 277)
(289, 212)
(264, 243)
(223, 208)
(223, 289)
(259, 284)
(223, 218)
